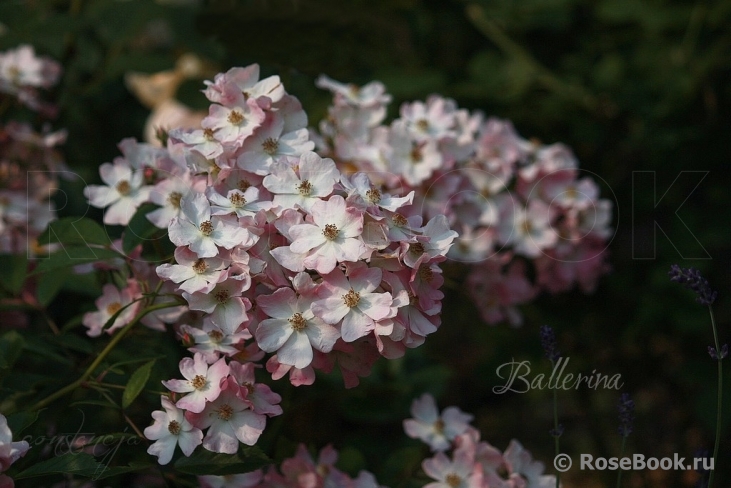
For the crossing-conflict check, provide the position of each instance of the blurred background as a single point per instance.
(630, 85)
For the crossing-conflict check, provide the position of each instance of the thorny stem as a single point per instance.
(720, 395)
(102, 355)
(556, 435)
(621, 454)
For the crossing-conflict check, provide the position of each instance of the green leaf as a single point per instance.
(72, 256)
(204, 462)
(13, 270)
(20, 421)
(74, 342)
(11, 346)
(116, 470)
(74, 231)
(78, 463)
(140, 229)
(46, 347)
(51, 284)
(133, 361)
(136, 383)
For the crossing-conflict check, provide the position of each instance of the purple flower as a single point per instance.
(626, 414)
(548, 342)
(692, 279)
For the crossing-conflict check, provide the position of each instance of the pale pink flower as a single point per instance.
(212, 341)
(463, 144)
(460, 472)
(547, 160)
(303, 470)
(241, 203)
(202, 383)
(260, 398)
(231, 125)
(112, 301)
(435, 241)
(202, 233)
(366, 479)
(9, 451)
(363, 194)
(497, 292)
(290, 110)
(297, 377)
(224, 304)
(20, 67)
(168, 193)
(144, 156)
(269, 143)
(203, 141)
(567, 264)
(279, 248)
(435, 429)
(243, 82)
(413, 160)
(191, 272)
(123, 193)
(439, 194)
(334, 235)
(314, 179)
(401, 227)
(351, 128)
(562, 190)
(374, 93)
(431, 120)
(355, 359)
(474, 245)
(591, 223)
(353, 300)
(229, 420)
(499, 143)
(171, 429)
(293, 331)
(520, 462)
(270, 241)
(527, 229)
(425, 283)
(409, 314)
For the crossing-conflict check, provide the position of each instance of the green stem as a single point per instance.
(102, 355)
(556, 435)
(621, 454)
(544, 76)
(720, 395)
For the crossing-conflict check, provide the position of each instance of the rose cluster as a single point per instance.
(295, 472)
(473, 463)
(22, 73)
(276, 252)
(516, 203)
(30, 164)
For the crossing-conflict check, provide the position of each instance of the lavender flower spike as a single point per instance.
(548, 341)
(626, 415)
(692, 279)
